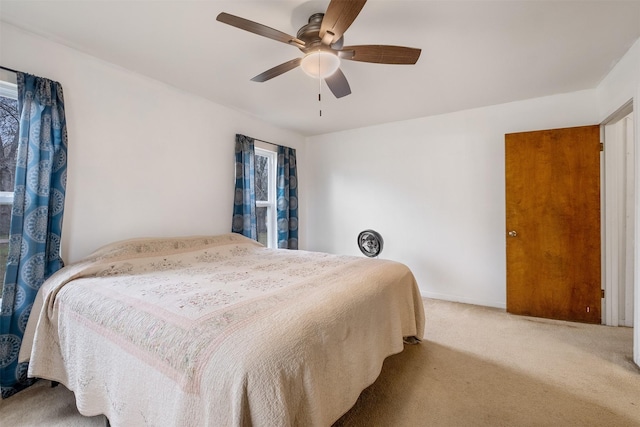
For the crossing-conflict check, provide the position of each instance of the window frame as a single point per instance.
(272, 215)
(8, 89)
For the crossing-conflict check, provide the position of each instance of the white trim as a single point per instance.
(457, 298)
(270, 204)
(8, 90)
(603, 232)
(612, 211)
(636, 219)
(620, 113)
(628, 300)
(6, 197)
(618, 218)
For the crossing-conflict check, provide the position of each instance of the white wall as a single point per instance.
(621, 85)
(145, 159)
(434, 188)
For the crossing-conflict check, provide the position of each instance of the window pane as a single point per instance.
(9, 121)
(262, 178)
(9, 137)
(261, 214)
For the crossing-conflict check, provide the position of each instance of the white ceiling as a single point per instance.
(474, 53)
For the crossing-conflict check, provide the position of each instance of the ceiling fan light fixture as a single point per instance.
(322, 40)
(320, 64)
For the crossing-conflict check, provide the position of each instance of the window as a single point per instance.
(9, 121)
(265, 185)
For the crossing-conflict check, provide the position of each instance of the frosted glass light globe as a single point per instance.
(320, 64)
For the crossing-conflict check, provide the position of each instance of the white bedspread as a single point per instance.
(220, 331)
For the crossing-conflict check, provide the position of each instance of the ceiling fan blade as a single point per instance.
(339, 16)
(277, 70)
(259, 29)
(338, 84)
(383, 54)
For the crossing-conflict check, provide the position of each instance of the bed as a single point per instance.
(219, 330)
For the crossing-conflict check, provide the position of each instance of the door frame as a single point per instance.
(618, 252)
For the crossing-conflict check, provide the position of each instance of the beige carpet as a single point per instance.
(477, 367)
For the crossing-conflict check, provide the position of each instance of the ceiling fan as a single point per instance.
(321, 40)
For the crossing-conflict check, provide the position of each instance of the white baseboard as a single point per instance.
(456, 298)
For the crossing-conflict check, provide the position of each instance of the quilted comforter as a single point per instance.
(219, 331)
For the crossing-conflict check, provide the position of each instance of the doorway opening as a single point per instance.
(619, 217)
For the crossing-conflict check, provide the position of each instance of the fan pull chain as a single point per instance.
(319, 87)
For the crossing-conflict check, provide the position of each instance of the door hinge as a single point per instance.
(602, 146)
(602, 293)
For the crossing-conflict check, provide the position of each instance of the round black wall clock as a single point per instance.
(370, 243)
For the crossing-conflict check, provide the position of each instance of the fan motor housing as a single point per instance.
(310, 35)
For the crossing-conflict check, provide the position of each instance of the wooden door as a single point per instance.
(553, 223)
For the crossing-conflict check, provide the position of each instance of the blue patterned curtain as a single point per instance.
(244, 204)
(36, 221)
(287, 192)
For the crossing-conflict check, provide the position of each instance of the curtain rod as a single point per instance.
(8, 69)
(266, 142)
(271, 143)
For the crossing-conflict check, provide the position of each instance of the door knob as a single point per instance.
(513, 233)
